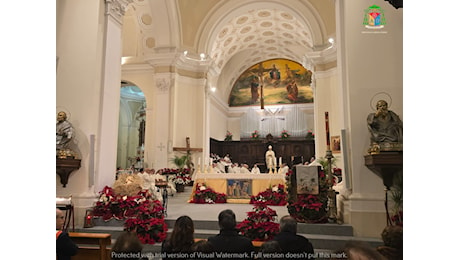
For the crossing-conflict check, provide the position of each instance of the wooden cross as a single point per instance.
(260, 73)
(187, 149)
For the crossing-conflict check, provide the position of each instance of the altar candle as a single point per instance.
(199, 160)
(280, 162)
(327, 131)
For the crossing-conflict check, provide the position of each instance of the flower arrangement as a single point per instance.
(310, 135)
(309, 208)
(259, 225)
(284, 134)
(274, 196)
(255, 135)
(183, 177)
(228, 136)
(205, 195)
(179, 176)
(142, 213)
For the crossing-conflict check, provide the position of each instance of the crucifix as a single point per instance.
(260, 75)
(187, 149)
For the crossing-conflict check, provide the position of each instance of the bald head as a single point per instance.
(59, 219)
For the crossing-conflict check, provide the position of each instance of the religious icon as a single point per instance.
(335, 147)
(239, 189)
(307, 179)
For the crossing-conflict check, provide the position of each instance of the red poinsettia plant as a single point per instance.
(205, 195)
(274, 196)
(259, 224)
(310, 208)
(141, 213)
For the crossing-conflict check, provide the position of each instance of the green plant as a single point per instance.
(181, 161)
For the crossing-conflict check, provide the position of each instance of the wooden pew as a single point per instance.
(91, 246)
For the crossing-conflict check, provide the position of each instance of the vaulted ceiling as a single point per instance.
(230, 35)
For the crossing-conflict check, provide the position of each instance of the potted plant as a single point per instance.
(181, 179)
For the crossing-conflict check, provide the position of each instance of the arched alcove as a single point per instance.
(131, 127)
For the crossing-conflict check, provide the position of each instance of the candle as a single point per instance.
(281, 162)
(199, 160)
(327, 131)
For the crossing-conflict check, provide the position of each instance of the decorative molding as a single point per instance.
(163, 85)
(117, 9)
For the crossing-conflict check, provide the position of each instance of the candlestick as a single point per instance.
(328, 141)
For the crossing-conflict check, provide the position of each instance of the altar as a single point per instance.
(239, 187)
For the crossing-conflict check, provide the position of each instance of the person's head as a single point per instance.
(59, 219)
(61, 116)
(270, 147)
(288, 224)
(392, 236)
(182, 234)
(127, 242)
(269, 248)
(357, 250)
(227, 219)
(203, 246)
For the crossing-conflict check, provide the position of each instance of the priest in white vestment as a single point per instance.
(283, 169)
(244, 168)
(255, 169)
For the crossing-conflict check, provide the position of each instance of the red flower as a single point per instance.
(141, 213)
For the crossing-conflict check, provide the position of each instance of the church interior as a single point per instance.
(145, 81)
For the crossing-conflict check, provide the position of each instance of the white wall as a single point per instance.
(370, 63)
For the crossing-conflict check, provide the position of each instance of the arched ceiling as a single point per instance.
(261, 34)
(233, 35)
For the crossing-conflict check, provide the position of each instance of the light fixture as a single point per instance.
(185, 53)
(213, 89)
(202, 56)
(331, 40)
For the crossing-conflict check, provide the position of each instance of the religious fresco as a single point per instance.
(284, 82)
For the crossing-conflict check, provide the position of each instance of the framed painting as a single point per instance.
(239, 189)
(335, 144)
(283, 82)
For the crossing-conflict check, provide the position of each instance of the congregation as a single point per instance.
(229, 244)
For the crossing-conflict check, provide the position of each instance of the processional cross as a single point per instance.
(187, 149)
(260, 74)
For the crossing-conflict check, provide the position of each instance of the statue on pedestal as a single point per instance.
(385, 128)
(64, 131)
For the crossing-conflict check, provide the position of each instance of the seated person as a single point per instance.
(244, 168)
(233, 168)
(283, 169)
(228, 240)
(255, 169)
(289, 240)
(215, 168)
(221, 165)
